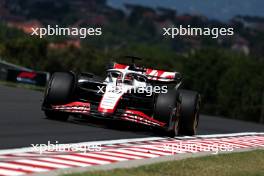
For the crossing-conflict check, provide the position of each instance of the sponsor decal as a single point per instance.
(74, 107)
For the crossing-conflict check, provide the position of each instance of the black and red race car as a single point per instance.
(129, 92)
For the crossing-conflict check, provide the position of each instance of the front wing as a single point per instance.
(88, 109)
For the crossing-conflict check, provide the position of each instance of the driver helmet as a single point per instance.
(128, 79)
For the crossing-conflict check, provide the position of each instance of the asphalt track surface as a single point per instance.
(22, 123)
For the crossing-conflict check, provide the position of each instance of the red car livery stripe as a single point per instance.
(120, 66)
(160, 75)
(140, 117)
(76, 107)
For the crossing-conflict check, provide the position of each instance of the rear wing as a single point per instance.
(162, 76)
(119, 66)
(152, 74)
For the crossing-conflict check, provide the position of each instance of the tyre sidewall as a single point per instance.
(60, 88)
(189, 112)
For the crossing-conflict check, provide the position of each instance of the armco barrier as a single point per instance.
(28, 77)
(6, 65)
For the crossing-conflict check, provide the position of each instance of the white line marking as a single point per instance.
(27, 168)
(79, 158)
(151, 151)
(65, 161)
(40, 163)
(103, 156)
(126, 149)
(160, 149)
(120, 141)
(121, 155)
(8, 172)
(123, 150)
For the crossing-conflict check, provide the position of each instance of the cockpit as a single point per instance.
(126, 78)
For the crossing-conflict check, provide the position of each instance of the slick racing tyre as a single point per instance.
(189, 112)
(59, 91)
(60, 88)
(166, 109)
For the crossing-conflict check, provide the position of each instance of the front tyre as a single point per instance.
(59, 91)
(166, 110)
(60, 88)
(189, 112)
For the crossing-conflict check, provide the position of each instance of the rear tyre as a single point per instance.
(59, 91)
(166, 109)
(189, 112)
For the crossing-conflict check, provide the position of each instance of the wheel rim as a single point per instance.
(195, 123)
(176, 124)
(176, 127)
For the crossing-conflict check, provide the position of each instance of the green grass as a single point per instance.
(235, 164)
(21, 85)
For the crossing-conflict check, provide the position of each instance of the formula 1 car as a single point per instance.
(129, 92)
